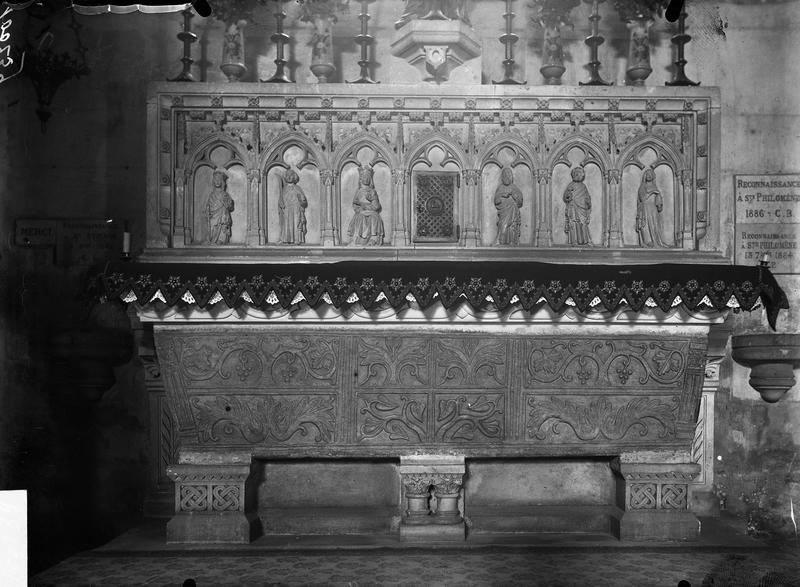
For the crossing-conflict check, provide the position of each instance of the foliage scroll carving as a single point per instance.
(471, 362)
(554, 419)
(344, 392)
(393, 417)
(393, 361)
(299, 419)
(605, 363)
(296, 361)
(467, 418)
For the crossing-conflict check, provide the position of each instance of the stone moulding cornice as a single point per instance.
(214, 474)
(451, 97)
(662, 477)
(656, 472)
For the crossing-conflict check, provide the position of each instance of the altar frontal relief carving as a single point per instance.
(345, 392)
(386, 167)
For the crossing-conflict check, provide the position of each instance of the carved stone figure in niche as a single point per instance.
(648, 211)
(219, 206)
(366, 227)
(292, 205)
(578, 209)
(508, 201)
(434, 10)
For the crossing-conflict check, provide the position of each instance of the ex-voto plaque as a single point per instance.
(768, 220)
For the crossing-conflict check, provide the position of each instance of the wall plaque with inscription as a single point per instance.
(77, 241)
(768, 220)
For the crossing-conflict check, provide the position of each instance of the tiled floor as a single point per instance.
(142, 558)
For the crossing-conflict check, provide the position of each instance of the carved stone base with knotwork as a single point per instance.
(213, 504)
(654, 499)
(432, 498)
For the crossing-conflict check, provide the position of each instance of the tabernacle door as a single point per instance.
(434, 204)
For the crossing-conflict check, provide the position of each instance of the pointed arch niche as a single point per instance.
(216, 152)
(638, 224)
(571, 156)
(366, 155)
(512, 156)
(436, 207)
(294, 155)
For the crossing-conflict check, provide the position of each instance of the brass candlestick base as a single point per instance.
(508, 40)
(280, 39)
(679, 41)
(187, 37)
(364, 40)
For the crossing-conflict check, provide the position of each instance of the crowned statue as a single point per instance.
(366, 227)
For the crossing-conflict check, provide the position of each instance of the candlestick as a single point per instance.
(365, 41)
(187, 37)
(764, 262)
(680, 40)
(280, 39)
(594, 41)
(508, 39)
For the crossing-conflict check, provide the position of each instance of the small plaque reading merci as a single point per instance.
(33, 233)
(77, 241)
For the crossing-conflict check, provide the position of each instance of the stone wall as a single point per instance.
(82, 461)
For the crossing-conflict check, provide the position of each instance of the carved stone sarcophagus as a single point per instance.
(352, 392)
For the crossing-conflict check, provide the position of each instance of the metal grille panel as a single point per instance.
(434, 203)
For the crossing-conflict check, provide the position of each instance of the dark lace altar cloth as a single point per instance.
(484, 285)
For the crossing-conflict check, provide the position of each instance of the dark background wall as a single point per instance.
(83, 461)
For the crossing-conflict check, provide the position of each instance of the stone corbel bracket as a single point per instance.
(772, 359)
(436, 47)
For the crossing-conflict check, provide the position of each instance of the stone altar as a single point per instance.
(461, 386)
(427, 395)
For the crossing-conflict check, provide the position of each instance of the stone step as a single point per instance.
(329, 520)
(540, 519)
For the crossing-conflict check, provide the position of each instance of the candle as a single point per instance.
(126, 240)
